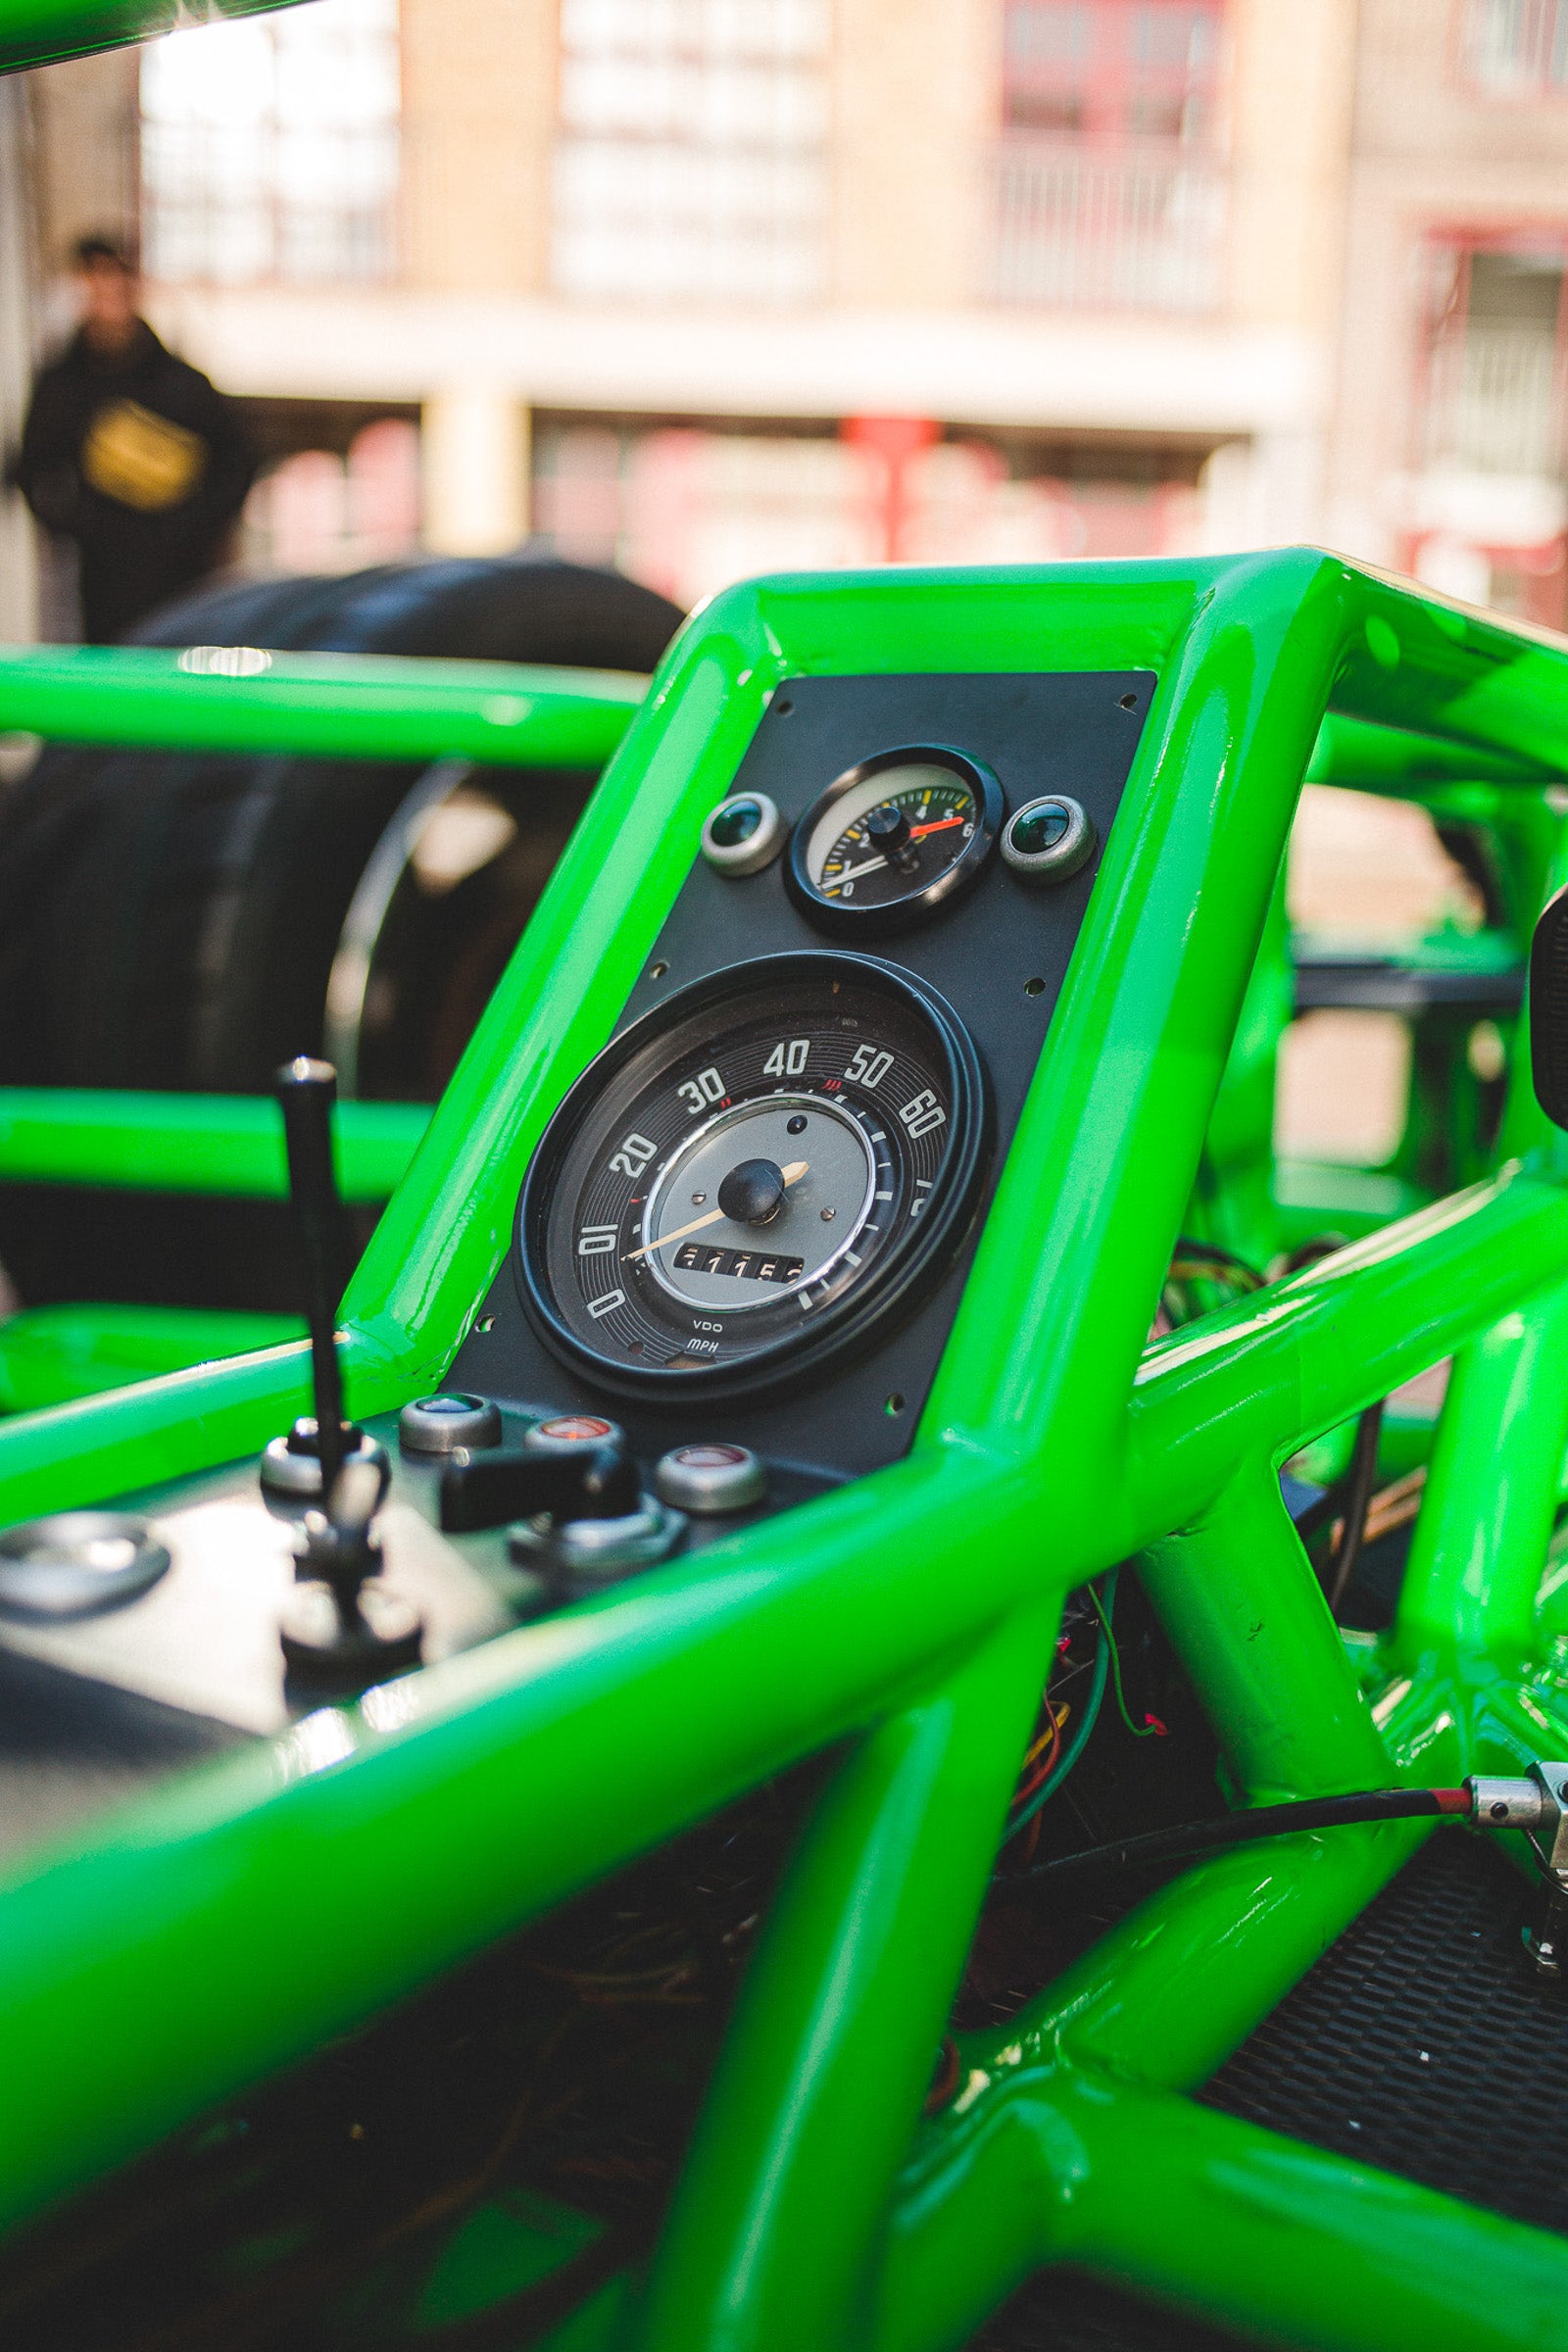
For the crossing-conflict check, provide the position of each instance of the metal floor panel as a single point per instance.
(1419, 2043)
(1422, 2045)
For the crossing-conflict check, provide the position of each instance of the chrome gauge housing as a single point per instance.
(753, 1178)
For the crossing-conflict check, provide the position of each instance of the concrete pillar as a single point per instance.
(473, 448)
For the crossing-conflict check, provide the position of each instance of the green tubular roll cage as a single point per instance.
(264, 1903)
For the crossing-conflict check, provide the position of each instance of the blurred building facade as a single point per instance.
(710, 286)
(1448, 450)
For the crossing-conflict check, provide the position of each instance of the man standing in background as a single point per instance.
(129, 453)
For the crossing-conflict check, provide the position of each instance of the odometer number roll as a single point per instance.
(754, 1177)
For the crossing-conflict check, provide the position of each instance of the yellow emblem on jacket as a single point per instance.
(141, 459)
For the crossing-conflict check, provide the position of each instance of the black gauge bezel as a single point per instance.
(946, 890)
(914, 1264)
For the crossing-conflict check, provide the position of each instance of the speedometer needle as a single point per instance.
(791, 1175)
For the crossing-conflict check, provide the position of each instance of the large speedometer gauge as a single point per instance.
(756, 1175)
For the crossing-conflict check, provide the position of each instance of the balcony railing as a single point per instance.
(1496, 401)
(1104, 232)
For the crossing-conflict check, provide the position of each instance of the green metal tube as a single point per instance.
(824, 2069)
(1173, 1989)
(161, 1429)
(1300, 1358)
(1160, 2001)
(1365, 757)
(1217, 777)
(257, 1908)
(1238, 1598)
(1227, 2221)
(209, 1143)
(1479, 1546)
(1166, 1995)
(1430, 667)
(334, 706)
(54, 1354)
(40, 32)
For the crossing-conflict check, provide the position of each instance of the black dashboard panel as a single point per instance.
(997, 957)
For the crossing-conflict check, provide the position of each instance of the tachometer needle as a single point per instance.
(869, 865)
(791, 1175)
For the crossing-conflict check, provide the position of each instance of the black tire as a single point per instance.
(170, 922)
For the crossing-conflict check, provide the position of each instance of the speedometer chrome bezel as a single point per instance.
(912, 1265)
(955, 882)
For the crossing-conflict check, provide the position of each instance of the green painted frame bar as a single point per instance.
(52, 1355)
(212, 1144)
(338, 706)
(293, 1891)
(1364, 755)
(1223, 2219)
(41, 32)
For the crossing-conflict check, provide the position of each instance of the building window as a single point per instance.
(689, 507)
(1107, 187)
(1494, 384)
(270, 147)
(1517, 48)
(691, 161)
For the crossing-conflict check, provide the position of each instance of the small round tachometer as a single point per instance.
(893, 838)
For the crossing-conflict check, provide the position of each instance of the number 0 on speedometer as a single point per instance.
(754, 1177)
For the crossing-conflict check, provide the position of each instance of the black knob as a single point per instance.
(887, 829)
(342, 1627)
(517, 1481)
(306, 1091)
(753, 1193)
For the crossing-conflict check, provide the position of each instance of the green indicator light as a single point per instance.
(1040, 829)
(735, 825)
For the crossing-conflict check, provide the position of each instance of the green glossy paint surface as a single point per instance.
(215, 1143)
(338, 705)
(40, 32)
(55, 1354)
(251, 1911)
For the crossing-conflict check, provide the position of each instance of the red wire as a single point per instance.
(1047, 1763)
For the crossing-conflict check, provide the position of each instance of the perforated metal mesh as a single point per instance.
(1420, 2043)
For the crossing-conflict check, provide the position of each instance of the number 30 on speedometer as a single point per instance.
(754, 1177)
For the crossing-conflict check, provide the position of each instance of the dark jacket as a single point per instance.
(139, 460)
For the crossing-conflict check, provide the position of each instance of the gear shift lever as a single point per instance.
(343, 1629)
(299, 1471)
(307, 1090)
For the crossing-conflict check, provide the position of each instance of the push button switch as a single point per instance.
(566, 1436)
(441, 1424)
(710, 1478)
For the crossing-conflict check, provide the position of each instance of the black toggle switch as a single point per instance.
(517, 1481)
